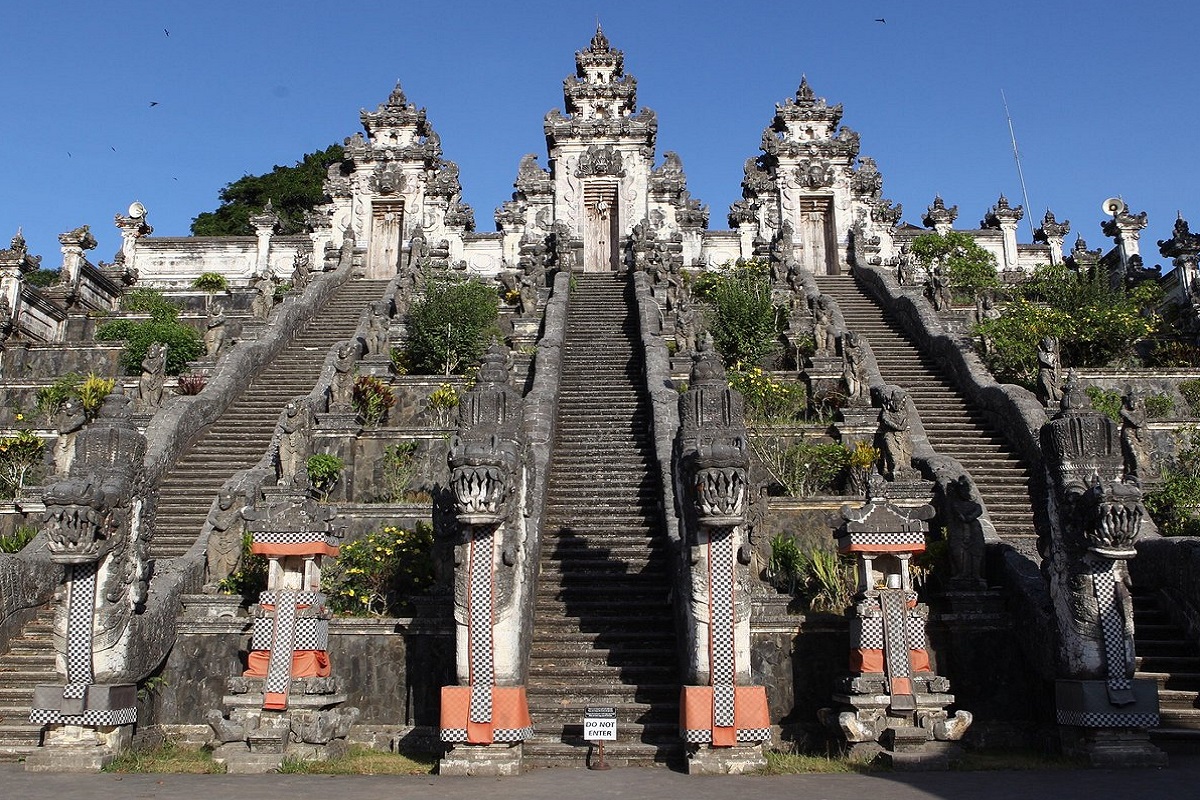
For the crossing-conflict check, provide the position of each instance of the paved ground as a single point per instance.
(1180, 781)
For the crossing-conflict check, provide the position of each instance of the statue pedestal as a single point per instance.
(525, 331)
(739, 760)
(1108, 735)
(251, 329)
(858, 423)
(377, 366)
(203, 366)
(823, 378)
(83, 734)
(211, 606)
(498, 760)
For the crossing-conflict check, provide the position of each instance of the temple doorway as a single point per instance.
(387, 225)
(601, 228)
(818, 239)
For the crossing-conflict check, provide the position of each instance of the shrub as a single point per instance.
(787, 563)
(969, 267)
(829, 581)
(1106, 401)
(20, 457)
(91, 391)
(1094, 325)
(376, 575)
(251, 579)
(768, 399)
(399, 468)
(801, 468)
(50, 399)
(1171, 353)
(372, 397)
(191, 383)
(1159, 406)
(150, 301)
(324, 470)
(16, 542)
(1190, 390)
(1175, 503)
(183, 343)
(450, 326)
(210, 282)
(442, 402)
(741, 317)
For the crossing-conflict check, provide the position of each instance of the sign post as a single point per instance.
(599, 726)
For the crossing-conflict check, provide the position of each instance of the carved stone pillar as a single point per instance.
(1095, 519)
(1053, 233)
(485, 717)
(723, 716)
(1005, 217)
(93, 521)
(132, 227)
(264, 224)
(939, 217)
(1125, 228)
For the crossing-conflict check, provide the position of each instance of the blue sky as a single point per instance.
(1102, 95)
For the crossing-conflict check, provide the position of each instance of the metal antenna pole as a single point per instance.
(1017, 156)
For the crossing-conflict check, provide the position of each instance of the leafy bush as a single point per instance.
(768, 399)
(1094, 325)
(251, 579)
(1190, 390)
(183, 343)
(376, 575)
(1107, 401)
(211, 282)
(372, 397)
(20, 457)
(1175, 503)
(741, 317)
(450, 326)
(828, 582)
(150, 301)
(787, 563)
(1159, 406)
(1172, 353)
(442, 402)
(801, 468)
(51, 399)
(324, 470)
(969, 267)
(91, 392)
(399, 469)
(16, 542)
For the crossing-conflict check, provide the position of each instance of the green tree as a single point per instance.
(740, 316)
(183, 343)
(292, 191)
(970, 267)
(451, 325)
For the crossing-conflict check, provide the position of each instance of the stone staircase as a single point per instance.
(954, 427)
(239, 438)
(1165, 654)
(604, 630)
(28, 662)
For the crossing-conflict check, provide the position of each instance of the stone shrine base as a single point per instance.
(739, 760)
(499, 760)
(74, 748)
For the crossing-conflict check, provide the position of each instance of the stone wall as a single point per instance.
(27, 580)
(393, 669)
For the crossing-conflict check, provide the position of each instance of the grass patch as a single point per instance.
(364, 761)
(799, 764)
(167, 757)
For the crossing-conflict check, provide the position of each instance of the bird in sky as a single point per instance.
(110, 147)
(153, 103)
(167, 32)
(881, 19)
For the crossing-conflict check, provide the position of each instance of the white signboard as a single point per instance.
(600, 724)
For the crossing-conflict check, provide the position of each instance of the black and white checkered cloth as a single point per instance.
(1112, 626)
(479, 635)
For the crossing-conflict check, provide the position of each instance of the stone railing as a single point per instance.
(664, 398)
(27, 581)
(1171, 564)
(540, 412)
